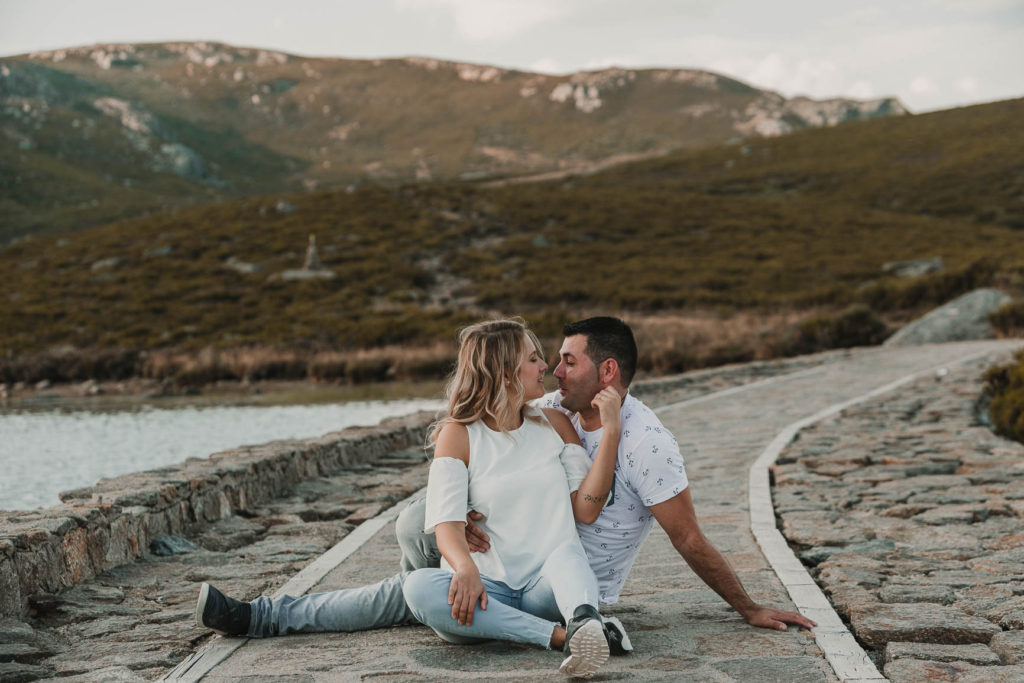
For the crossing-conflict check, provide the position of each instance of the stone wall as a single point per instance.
(114, 522)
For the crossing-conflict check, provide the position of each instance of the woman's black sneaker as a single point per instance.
(226, 616)
(586, 643)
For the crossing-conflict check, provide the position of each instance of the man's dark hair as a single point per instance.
(607, 337)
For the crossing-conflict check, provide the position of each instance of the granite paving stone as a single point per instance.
(971, 654)
(922, 671)
(1009, 645)
(877, 624)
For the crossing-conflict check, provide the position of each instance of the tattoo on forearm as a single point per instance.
(595, 499)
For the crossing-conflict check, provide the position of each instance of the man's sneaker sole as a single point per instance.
(204, 595)
(588, 650)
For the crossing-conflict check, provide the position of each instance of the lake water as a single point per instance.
(44, 453)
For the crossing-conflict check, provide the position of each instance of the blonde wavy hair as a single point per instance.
(489, 353)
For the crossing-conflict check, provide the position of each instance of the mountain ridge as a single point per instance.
(160, 125)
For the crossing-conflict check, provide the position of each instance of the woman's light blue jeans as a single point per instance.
(526, 615)
(377, 605)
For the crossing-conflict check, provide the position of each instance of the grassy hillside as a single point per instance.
(963, 164)
(802, 223)
(99, 133)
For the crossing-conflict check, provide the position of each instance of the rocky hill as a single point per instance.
(96, 133)
(815, 221)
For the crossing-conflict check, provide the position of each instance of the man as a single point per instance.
(650, 485)
(650, 481)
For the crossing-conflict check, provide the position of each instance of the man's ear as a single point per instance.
(609, 371)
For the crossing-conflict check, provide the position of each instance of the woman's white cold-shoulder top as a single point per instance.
(520, 481)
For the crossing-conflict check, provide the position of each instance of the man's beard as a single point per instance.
(577, 402)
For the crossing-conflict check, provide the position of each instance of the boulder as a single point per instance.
(962, 319)
(171, 545)
(914, 268)
(242, 267)
(106, 263)
(302, 274)
(181, 160)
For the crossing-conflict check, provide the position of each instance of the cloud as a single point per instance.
(862, 90)
(547, 65)
(923, 85)
(479, 21)
(812, 76)
(614, 60)
(979, 6)
(966, 86)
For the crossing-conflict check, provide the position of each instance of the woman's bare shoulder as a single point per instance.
(453, 442)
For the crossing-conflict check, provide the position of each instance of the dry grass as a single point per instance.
(686, 341)
(669, 343)
(264, 363)
(680, 342)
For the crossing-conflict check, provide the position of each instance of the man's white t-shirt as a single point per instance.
(649, 471)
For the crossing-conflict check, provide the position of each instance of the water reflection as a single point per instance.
(45, 452)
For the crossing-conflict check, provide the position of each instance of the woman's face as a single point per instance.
(531, 372)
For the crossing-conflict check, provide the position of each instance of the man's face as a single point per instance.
(576, 374)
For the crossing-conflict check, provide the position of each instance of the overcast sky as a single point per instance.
(931, 54)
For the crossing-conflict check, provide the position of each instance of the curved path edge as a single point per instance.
(847, 658)
(203, 660)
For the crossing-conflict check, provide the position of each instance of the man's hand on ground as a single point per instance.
(766, 617)
(477, 539)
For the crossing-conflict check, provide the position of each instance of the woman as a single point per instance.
(515, 464)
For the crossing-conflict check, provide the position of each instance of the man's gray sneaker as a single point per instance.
(618, 641)
(226, 616)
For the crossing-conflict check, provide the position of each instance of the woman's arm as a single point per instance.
(466, 587)
(589, 499)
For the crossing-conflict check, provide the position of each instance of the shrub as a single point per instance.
(260, 364)
(71, 366)
(1008, 319)
(434, 362)
(368, 367)
(929, 290)
(1004, 386)
(327, 366)
(857, 325)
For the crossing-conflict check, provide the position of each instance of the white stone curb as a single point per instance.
(847, 658)
(202, 661)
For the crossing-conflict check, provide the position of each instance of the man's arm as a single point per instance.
(677, 517)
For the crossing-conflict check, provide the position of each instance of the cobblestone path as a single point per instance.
(681, 630)
(909, 508)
